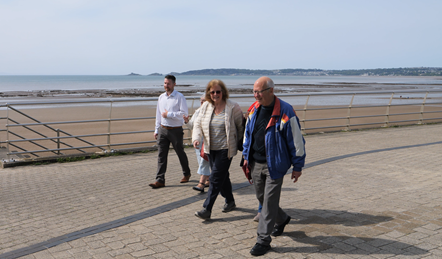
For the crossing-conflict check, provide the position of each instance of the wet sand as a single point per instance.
(189, 90)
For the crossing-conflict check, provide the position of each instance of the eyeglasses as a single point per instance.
(215, 92)
(260, 92)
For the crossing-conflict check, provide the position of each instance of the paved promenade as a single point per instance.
(365, 194)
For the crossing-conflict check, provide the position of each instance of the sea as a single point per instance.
(196, 84)
(114, 82)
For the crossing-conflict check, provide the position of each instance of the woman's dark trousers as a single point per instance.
(219, 178)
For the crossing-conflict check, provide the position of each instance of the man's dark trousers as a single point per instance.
(165, 137)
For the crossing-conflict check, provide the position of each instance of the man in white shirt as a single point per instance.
(171, 109)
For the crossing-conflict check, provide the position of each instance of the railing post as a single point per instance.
(7, 130)
(189, 132)
(58, 141)
(349, 112)
(304, 115)
(421, 116)
(109, 128)
(387, 114)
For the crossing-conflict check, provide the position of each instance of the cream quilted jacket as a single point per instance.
(234, 127)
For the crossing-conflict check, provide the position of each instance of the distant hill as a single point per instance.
(411, 71)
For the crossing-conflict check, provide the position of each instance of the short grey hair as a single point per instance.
(270, 83)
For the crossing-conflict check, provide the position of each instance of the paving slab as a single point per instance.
(363, 194)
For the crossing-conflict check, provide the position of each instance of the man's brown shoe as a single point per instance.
(156, 185)
(185, 179)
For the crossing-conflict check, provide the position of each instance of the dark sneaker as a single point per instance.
(203, 214)
(277, 231)
(259, 249)
(229, 206)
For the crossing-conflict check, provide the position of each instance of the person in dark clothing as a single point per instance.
(273, 144)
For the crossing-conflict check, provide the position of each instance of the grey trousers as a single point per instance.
(268, 192)
(165, 137)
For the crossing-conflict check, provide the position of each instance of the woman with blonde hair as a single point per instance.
(219, 123)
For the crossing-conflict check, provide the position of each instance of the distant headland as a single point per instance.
(410, 71)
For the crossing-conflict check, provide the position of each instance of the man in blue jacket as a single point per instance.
(273, 143)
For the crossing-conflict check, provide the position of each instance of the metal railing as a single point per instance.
(26, 137)
(415, 110)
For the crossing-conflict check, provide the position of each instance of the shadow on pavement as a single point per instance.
(348, 245)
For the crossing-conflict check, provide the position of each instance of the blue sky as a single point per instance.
(107, 37)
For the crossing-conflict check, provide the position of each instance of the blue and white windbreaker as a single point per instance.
(284, 142)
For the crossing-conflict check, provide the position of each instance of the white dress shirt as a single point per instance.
(176, 107)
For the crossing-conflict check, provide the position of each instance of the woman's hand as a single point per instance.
(196, 144)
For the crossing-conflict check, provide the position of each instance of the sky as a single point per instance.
(108, 37)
